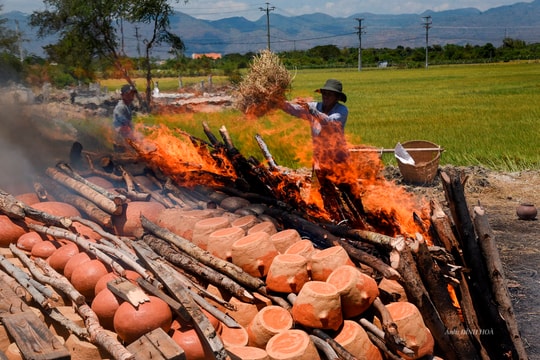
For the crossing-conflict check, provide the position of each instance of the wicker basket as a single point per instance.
(426, 162)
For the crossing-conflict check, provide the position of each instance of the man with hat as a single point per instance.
(122, 116)
(327, 120)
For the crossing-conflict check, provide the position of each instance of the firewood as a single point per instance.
(324, 347)
(166, 275)
(376, 336)
(499, 340)
(499, 285)
(101, 173)
(229, 269)
(340, 350)
(104, 202)
(264, 148)
(130, 191)
(119, 242)
(18, 210)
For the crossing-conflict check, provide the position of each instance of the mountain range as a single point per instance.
(467, 26)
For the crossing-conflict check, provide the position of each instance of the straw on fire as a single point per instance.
(265, 84)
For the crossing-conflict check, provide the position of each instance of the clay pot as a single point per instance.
(318, 305)
(245, 312)
(57, 208)
(357, 290)
(265, 226)
(75, 262)
(254, 253)
(292, 345)
(284, 239)
(85, 231)
(220, 241)
(181, 222)
(287, 274)
(131, 322)
(203, 228)
(45, 249)
(29, 198)
(233, 203)
(245, 222)
(394, 288)
(233, 337)
(129, 223)
(189, 341)
(27, 240)
(84, 278)
(248, 353)
(526, 211)
(355, 340)
(105, 304)
(268, 322)
(411, 328)
(102, 282)
(9, 231)
(302, 247)
(327, 260)
(61, 256)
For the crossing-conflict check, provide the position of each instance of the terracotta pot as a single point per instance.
(248, 353)
(85, 231)
(57, 208)
(292, 345)
(268, 322)
(220, 241)
(284, 239)
(265, 226)
(357, 290)
(84, 278)
(233, 203)
(27, 240)
(327, 260)
(129, 223)
(394, 288)
(203, 228)
(45, 249)
(526, 211)
(105, 304)
(181, 222)
(245, 222)
(287, 274)
(76, 261)
(304, 248)
(254, 253)
(411, 328)
(245, 312)
(102, 282)
(355, 340)
(9, 231)
(232, 337)
(29, 198)
(318, 305)
(131, 322)
(61, 256)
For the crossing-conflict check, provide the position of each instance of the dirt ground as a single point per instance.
(518, 240)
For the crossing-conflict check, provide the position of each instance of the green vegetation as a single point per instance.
(483, 115)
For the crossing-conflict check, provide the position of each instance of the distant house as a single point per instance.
(213, 56)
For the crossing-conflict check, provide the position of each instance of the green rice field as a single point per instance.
(486, 115)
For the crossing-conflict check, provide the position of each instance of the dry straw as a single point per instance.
(265, 84)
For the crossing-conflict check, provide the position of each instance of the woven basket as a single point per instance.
(426, 162)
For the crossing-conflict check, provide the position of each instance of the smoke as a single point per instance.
(29, 143)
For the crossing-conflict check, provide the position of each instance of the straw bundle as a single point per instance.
(265, 84)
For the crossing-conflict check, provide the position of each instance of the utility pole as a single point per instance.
(427, 26)
(268, 9)
(138, 47)
(19, 40)
(360, 32)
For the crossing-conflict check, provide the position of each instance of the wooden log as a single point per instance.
(493, 329)
(231, 270)
(202, 325)
(104, 174)
(499, 285)
(267, 154)
(18, 210)
(156, 345)
(104, 202)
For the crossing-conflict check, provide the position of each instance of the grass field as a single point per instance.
(484, 115)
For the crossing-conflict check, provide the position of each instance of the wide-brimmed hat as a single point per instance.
(126, 88)
(335, 86)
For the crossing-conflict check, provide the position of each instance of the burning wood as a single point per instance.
(455, 293)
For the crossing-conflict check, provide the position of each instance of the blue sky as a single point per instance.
(340, 8)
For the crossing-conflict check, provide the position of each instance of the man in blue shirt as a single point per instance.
(122, 117)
